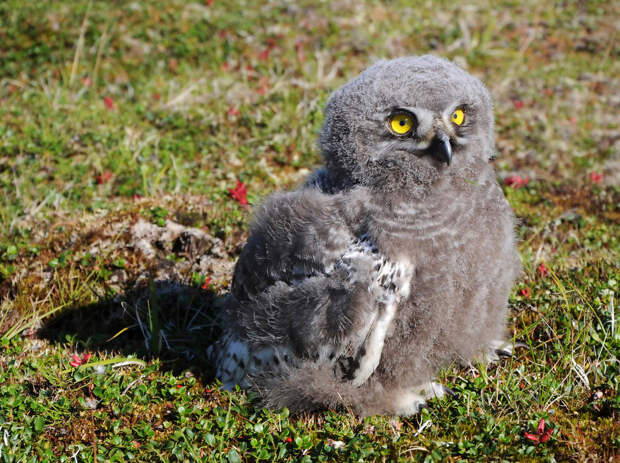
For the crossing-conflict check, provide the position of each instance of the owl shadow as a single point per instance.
(165, 320)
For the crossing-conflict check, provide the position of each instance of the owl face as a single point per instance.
(406, 122)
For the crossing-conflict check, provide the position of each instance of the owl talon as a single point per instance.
(499, 349)
(419, 406)
(413, 400)
(504, 352)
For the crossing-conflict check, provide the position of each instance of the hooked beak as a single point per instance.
(441, 148)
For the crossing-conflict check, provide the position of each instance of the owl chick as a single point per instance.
(392, 261)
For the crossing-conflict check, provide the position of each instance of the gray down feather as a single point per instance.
(392, 261)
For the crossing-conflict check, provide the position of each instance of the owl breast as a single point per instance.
(462, 246)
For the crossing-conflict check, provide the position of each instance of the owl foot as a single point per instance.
(413, 400)
(499, 348)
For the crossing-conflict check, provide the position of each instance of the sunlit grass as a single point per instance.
(112, 114)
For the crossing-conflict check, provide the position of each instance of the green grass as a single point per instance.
(114, 112)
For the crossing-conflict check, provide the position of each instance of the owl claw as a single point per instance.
(419, 406)
(413, 400)
(504, 352)
(498, 349)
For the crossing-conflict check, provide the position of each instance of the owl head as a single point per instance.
(405, 123)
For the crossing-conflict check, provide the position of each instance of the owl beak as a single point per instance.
(441, 148)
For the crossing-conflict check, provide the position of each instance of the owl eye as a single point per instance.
(458, 117)
(401, 123)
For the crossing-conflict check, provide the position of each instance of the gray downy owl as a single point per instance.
(392, 261)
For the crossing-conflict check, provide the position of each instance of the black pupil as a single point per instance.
(402, 122)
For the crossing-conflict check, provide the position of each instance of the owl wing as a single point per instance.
(310, 287)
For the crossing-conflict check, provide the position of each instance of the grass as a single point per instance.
(114, 114)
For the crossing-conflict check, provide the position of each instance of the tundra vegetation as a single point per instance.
(135, 139)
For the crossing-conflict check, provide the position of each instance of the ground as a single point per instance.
(124, 126)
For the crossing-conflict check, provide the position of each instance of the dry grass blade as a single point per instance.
(79, 47)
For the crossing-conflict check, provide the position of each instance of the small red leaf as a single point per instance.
(264, 54)
(547, 435)
(526, 293)
(531, 437)
(232, 111)
(239, 193)
(206, 283)
(288, 439)
(518, 104)
(104, 177)
(109, 103)
(595, 177)
(542, 268)
(516, 181)
(541, 426)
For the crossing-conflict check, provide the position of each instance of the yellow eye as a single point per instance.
(458, 117)
(401, 123)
